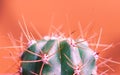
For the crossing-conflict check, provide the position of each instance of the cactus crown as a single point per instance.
(58, 56)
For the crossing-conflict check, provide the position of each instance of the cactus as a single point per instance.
(58, 56)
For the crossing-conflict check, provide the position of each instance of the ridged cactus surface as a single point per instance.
(58, 56)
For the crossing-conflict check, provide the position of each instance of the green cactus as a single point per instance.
(58, 56)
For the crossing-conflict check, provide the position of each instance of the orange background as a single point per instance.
(43, 13)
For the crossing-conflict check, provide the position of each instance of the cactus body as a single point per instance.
(59, 56)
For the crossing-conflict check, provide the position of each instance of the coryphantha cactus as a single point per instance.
(58, 56)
